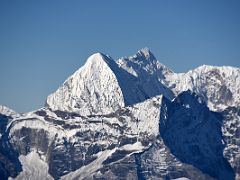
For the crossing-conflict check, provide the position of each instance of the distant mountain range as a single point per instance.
(131, 118)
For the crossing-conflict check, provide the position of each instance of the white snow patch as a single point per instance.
(51, 129)
(34, 168)
(146, 115)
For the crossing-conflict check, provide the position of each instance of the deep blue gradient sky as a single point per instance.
(43, 42)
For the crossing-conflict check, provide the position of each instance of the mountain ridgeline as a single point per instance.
(131, 118)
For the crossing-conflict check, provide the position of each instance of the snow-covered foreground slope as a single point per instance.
(128, 119)
(78, 141)
(34, 168)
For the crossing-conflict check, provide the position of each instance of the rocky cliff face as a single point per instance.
(78, 142)
(193, 134)
(231, 137)
(9, 162)
(128, 119)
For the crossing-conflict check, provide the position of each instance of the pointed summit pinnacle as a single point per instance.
(96, 57)
(144, 54)
(145, 51)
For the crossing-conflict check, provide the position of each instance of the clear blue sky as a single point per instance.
(43, 42)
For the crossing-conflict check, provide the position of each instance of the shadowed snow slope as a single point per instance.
(145, 76)
(193, 134)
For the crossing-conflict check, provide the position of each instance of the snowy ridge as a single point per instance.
(102, 85)
(7, 111)
(139, 118)
(219, 86)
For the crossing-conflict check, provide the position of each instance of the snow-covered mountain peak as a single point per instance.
(145, 53)
(221, 70)
(142, 57)
(93, 89)
(144, 62)
(97, 58)
(7, 111)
